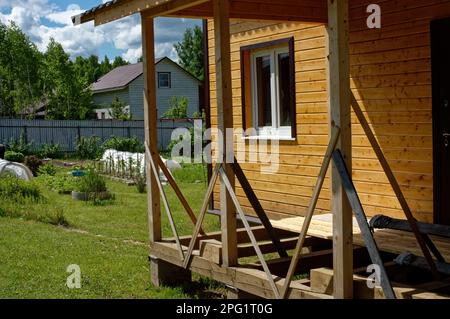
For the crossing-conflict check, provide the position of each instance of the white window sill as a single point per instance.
(271, 137)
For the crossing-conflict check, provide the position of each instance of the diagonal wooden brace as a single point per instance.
(165, 201)
(253, 199)
(335, 132)
(396, 187)
(361, 218)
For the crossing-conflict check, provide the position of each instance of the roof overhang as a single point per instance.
(279, 10)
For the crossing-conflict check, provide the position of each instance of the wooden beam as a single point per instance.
(164, 199)
(172, 6)
(251, 196)
(150, 119)
(361, 218)
(265, 10)
(120, 10)
(250, 280)
(224, 179)
(339, 104)
(178, 192)
(422, 239)
(201, 216)
(221, 9)
(242, 236)
(312, 206)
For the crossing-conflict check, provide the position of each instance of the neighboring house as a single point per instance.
(127, 83)
(36, 111)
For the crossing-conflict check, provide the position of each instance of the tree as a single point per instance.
(119, 61)
(118, 111)
(68, 95)
(88, 68)
(178, 108)
(105, 66)
(190, 52)
(20, 76)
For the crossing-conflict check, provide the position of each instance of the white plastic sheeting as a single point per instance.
(136, 160)
(16, 169)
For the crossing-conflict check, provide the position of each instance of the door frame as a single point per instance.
(436, 131)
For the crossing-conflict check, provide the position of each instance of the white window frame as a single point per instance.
(169, 82)
(275, 130)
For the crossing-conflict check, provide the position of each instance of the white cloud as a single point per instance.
(124, 35)
(65, 17)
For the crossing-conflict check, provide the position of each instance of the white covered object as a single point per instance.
(17, 169)
(137, 160)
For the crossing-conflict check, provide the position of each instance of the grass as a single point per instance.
(108, 241)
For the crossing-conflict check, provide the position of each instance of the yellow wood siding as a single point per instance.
(391, 79)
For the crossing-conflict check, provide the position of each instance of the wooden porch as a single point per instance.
(331, 253)
(315, 265)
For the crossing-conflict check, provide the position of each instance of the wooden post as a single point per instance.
(339, 99)
(150, 118)
(161, 272)
(221, 10)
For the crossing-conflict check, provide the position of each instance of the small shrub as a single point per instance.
(123, 144)
(91, 183)
(118, 110)
(140, 181)
(18, 191)
(58, 219)
(20, 146)
(178, 108)
(88, 148)
(47, 169)
(14, 156)
(50, 151)
(33, 163)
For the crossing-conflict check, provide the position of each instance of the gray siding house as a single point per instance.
(127, 83)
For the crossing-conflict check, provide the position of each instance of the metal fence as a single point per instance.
(66, 132)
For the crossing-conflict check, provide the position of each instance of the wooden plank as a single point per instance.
(167, 8)
(312, 206)
(322, 282)
(362, 222)
(224, 180)
(242, 236)
(257, 207)
(339, 99)
(178, 192)
(430, 295)
(211, 249)
(164, 199)
(221, 9)
(250, 280)
(150, 119)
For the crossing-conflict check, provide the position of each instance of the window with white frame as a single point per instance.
(268, 89)
(164, 80)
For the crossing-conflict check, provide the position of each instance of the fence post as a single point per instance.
(78, 133)
(25, 134)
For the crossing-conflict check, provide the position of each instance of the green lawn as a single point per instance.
(108, 242)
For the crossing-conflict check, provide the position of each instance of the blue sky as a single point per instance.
(42, 20)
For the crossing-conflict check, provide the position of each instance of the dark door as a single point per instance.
(440, 61)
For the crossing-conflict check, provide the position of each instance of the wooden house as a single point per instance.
(345, 82)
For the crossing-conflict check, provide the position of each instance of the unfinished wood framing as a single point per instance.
(150, 118)
(339, 104)
(221, 10)
(390, 78)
